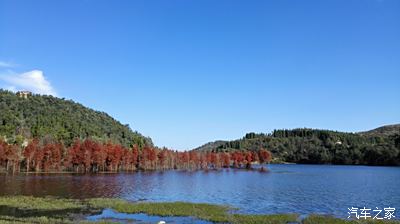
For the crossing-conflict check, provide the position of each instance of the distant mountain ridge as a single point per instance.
(380, 146)
(38, 116)
(386, 130)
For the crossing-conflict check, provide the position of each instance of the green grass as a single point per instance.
(66, 211)
(265, 219)
(209, 212)
(26, 209)
(47, 203)
(320, 219)
(41, 220)
(46, 220)
(214, 213)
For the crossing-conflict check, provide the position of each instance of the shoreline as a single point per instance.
(2, 172)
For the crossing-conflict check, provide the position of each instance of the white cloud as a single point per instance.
(33, 81)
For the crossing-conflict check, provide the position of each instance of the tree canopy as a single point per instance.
(378, 147)
(39, 116)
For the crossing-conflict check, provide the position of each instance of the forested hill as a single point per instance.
(387, 130)
(380, 146)
(43, 117)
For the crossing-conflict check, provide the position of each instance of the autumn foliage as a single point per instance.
(92, 156)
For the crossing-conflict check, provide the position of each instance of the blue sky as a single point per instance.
(187, 72)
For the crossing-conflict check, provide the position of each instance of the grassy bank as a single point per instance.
(317, 219)
(22, 209)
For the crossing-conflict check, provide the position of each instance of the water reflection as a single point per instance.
(301, 189)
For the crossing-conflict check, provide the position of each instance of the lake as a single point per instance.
(301, 189)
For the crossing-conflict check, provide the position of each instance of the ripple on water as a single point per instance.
(301, 189)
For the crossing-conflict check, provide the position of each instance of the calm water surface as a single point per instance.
(111, 215)
(302, 189)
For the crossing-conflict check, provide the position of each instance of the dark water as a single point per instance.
(302, 189)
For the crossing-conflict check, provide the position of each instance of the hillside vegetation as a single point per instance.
(64, 135)
(380, 146)
(60, 120)
(48, 134)
(387, 130)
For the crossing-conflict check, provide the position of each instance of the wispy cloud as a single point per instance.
(4, 64)
(33, 81)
